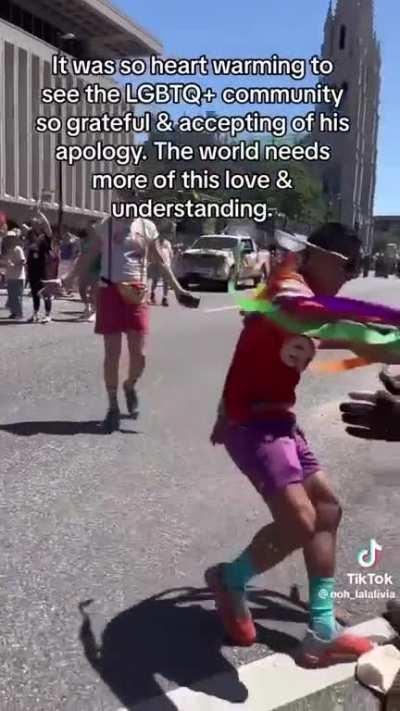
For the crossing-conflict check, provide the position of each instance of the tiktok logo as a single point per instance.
(368, 557)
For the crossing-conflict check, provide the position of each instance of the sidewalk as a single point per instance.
(276, 683)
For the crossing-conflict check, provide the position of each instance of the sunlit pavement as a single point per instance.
(120, 519)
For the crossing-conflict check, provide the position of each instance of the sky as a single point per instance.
(290, 28)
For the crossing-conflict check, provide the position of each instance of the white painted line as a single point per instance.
(269, 683)
(220, 308)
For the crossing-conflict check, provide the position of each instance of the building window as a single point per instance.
(342, 38)
(5, 10)
(12, 12)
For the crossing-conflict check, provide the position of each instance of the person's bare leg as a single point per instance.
(112, 354)
(320, 556)
(82, 288)
(320, 552)
(293, 526)
(137, 362)
(83, 294)
(165, 292)
(137, 359)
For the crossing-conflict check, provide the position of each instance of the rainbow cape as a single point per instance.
(325, 318)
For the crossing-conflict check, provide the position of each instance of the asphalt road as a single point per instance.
(123, 519)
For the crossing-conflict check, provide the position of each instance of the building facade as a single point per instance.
(31, 32)
(349, 179)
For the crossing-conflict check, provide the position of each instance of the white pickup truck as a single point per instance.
(221, 259)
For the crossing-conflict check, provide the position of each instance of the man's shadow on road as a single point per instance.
(175, 636)
(60, 427)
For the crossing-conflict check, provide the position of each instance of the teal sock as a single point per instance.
(236, 575)
(322, 614)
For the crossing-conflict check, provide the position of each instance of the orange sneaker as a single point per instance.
(316, 652)
(233, 610)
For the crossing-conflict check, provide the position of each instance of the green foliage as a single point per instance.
(305, 202)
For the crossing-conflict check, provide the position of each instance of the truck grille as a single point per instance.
(202, 260)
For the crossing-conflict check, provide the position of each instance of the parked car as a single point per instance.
(221, 259)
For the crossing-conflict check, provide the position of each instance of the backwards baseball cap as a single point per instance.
(341, 240)
(333, 237)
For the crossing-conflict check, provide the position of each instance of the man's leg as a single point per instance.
(20, 297)
(12, 297)
(324, 644)
(293, 527)
(137, 363)
(83, 295)
(112, 354)
(35, 288)
(154, 283)
(320, 555)
(47, 305)
(91, 301)
(165, 291)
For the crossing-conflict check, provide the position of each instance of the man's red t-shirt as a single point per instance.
(268, 361)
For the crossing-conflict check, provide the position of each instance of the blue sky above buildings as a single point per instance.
(293, 28)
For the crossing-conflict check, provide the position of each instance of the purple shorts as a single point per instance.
(271, 454)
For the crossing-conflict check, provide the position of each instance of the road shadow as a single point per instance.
(61, 427)
(70, 320)
(7, 322)
(70, 313)
(174, 635)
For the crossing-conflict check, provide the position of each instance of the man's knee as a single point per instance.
(329, 515)
(303, 526)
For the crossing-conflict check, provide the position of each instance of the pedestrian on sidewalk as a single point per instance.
(39, 256)
(122, 306)
(14, 262)
(157, 273)
(259, 430)
(87, 281)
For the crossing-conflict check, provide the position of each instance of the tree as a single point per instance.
(305, 202)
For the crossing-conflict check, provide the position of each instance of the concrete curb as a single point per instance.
(276, 683)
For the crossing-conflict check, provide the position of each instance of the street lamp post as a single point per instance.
(62, 39)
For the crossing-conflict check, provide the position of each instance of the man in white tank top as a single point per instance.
(125, 249)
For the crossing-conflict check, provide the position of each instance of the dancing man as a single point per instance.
(259, 430)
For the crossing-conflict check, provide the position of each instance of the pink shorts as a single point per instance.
(114, 315)
(272, 455)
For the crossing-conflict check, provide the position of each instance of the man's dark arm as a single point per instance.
(375, 416)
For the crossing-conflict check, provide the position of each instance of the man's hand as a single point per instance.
(185, 298)
(374, 415)
(391, 382)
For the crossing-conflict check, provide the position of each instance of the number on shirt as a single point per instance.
(297, 352)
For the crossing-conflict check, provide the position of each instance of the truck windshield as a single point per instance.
(216, 243)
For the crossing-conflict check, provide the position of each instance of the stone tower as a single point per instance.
(349, 178)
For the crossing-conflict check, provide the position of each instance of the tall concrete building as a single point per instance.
(349, 179)
(31, 32)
